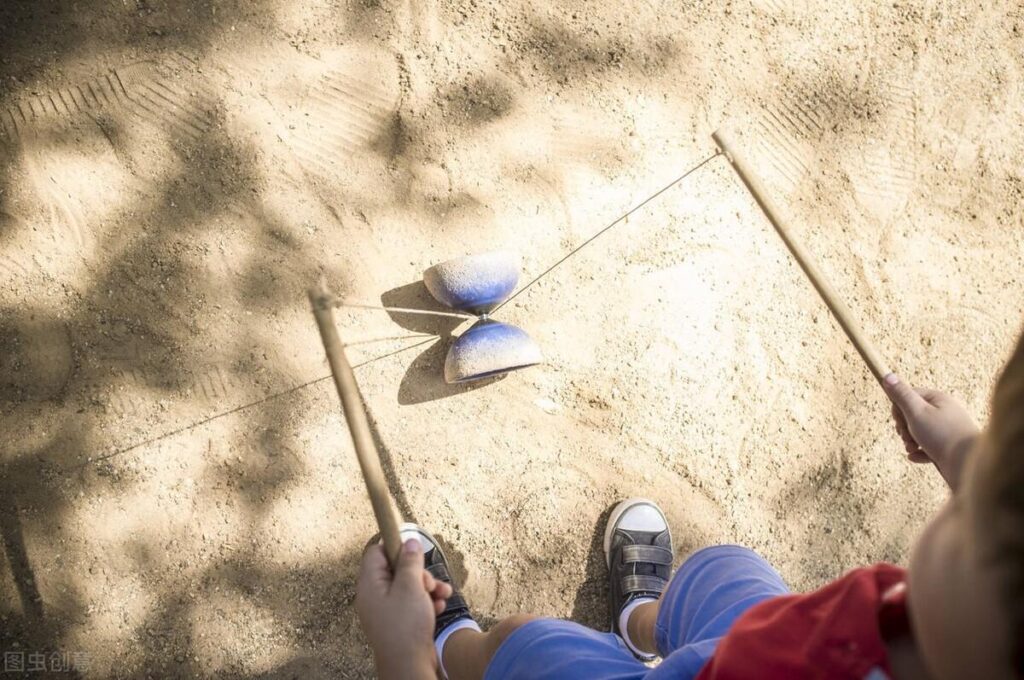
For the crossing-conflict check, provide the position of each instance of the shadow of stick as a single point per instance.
(387, 464)
(14, 546)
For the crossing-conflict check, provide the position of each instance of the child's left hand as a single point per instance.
(397, 611)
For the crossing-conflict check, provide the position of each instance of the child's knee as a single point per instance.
(504, 628)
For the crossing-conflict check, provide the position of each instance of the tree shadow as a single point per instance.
(36, 361)
(316, 601)
(35, 35)
(476, 101)
(424, 379)
(567, 53)
(144, 312)
(835, 514)
(134, 316)
(33, 501)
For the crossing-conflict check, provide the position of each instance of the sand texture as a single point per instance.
(179, 493)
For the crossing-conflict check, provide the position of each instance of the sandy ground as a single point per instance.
(180, 497)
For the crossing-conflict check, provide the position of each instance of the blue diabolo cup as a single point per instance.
(478, 284)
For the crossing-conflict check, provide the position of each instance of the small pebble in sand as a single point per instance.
(547, 405)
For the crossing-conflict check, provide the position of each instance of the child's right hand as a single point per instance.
(934, 426)
(397, 610)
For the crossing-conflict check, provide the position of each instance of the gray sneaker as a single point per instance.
(638, 552)
(436, 563)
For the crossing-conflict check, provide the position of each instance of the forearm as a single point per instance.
(951, 464)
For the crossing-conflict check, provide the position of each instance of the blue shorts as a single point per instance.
(708, 592)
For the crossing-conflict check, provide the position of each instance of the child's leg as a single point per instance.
(467, 652)
(708, 592)
(520, 646)
(641, 624)
(638, 551)
(711, 589)
(527, 648)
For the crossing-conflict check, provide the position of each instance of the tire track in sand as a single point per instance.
(785, 132)
(341, 115)
(884, 174)
(167, 93)
(164, 94)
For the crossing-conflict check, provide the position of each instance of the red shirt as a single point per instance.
(838, 631)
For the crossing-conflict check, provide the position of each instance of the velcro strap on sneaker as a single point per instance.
(455, 609)
(641, 583)
(440, 572)
(651, 554)
(455, 602)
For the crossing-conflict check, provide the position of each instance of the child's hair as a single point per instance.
(1001, 492)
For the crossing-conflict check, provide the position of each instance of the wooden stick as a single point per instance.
(355, 414)
(839, 310)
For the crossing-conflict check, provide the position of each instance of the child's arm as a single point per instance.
(934, 426)
(397, 612)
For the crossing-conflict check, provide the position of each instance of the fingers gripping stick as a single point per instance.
(355, 413)
(839, 310)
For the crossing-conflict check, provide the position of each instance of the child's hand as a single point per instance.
(397, 611)
(934, 426)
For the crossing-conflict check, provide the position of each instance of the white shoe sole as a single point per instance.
(407, 530)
